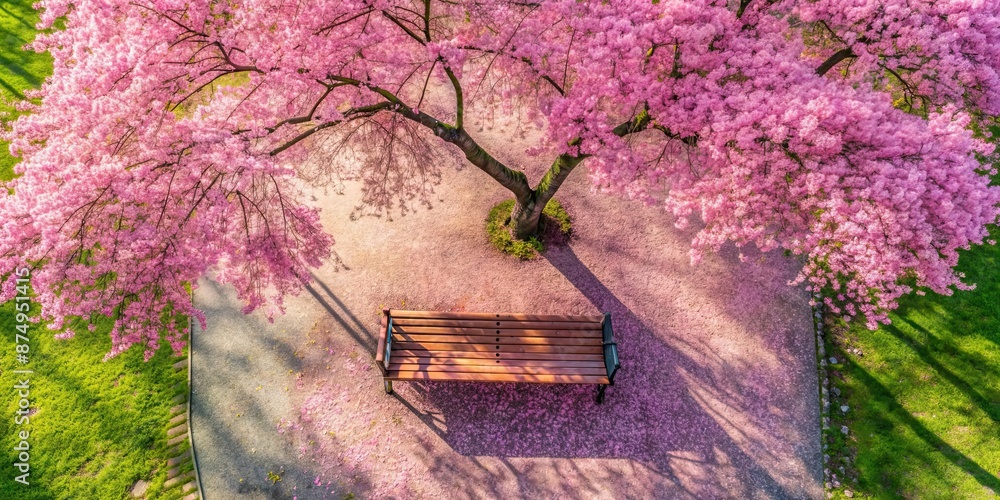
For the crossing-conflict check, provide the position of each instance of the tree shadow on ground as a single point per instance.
(965, 313)
(666, 411)
(19, 17)
(990, 404)
(16, 93)
(15, 66)
(893, 412)
(345, 318)
(233, 416)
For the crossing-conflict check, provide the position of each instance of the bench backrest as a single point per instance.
(523, 337)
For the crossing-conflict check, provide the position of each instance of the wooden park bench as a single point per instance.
(486, 347)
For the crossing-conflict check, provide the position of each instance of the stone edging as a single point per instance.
(181, 483)
(194, 453)
(831, 482)
(824, 383)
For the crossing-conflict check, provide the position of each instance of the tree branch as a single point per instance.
(637, 124)
(459, 98)
(743, 8)
(408, 31)
(554, 177)
(337, 22)
(513, 180)
(525, 60)
(427, 19)
(565, 163)
(307, 117)
(351, 113)
(838, 56)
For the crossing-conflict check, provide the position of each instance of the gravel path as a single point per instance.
(717, 396)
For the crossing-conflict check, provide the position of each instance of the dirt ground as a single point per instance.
(717, 396)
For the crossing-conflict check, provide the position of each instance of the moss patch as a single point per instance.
(554, 227)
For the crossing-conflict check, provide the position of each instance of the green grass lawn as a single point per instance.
(19, 69)
(924, 396)
(97, 427)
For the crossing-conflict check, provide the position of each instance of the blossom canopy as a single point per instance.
(169, 140)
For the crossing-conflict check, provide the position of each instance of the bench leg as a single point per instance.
(600, 393)
(388, 386)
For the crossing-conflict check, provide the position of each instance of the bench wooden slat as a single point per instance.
(439, 346)
(420, 353)
(499, 325)
(494, 347)
(500, 377)
(528, 370)
(417, 360)
(439, 330)
(496, 339)
(400, 314)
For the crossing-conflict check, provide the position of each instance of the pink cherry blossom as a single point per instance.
(171, 139)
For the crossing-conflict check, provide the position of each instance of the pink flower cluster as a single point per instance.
(169, 138)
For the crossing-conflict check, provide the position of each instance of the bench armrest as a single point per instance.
(384, 349)
(611, 362)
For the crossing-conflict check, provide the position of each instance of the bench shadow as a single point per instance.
(653, 414)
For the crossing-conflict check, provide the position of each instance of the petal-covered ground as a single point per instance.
(717, 396)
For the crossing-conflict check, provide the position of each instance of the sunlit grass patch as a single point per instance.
(19, 69)
(97, 427)
(924, 394)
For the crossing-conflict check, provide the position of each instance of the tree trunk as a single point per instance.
(529, 206)
(528, 202)
(525, 217)
(840, 55)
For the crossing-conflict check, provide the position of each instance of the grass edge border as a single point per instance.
(823, 379)
(194, 452)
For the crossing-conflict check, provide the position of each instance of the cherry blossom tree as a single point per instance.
(168, 140)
